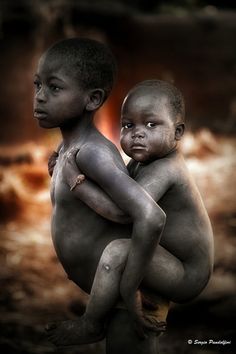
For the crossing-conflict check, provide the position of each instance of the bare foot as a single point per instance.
(74, 332)
(149, 324)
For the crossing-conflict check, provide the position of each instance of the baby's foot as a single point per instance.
(75, 332)
(149, 324)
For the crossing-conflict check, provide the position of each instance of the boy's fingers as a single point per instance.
(72, 153)
(74, 150)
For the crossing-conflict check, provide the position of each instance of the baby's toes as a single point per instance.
(155, 325)
(50, 327)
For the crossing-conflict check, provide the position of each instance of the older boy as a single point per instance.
(73, 79)
(152, 125)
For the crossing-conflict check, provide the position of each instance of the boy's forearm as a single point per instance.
(99, 201)
(90, 193)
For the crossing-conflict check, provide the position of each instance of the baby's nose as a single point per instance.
(138, 133)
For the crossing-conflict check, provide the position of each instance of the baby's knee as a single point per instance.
(114, 255)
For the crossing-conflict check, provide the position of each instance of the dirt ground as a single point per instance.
(35, 289)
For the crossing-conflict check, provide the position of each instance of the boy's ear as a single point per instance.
(96, 98)
(179, 131)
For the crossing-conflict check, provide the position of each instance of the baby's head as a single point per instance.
(152, 118)
(84, 67)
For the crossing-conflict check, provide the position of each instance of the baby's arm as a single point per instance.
(157, 177)
(147, 217)
(90, 193)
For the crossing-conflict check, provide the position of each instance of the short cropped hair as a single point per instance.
(174, 96)
(90, 61)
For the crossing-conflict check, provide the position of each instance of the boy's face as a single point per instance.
(58, 99)
(148, 129)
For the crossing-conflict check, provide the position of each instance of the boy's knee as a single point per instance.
(113, 256)
(156, 219)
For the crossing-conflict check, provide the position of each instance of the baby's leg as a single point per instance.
(168, 277)
(105, 292)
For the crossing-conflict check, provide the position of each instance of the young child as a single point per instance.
(181, 261)
(73, 79)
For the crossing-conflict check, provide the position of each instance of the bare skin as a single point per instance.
(182, 262)
(79, 234)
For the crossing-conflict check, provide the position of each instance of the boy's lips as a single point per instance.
(40, 114)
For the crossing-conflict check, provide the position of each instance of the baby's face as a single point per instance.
(58, 98)
(148, 130)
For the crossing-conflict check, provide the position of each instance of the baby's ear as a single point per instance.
(179, 131)
(96, 98)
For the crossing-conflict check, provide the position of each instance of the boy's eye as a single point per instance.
(151, 125)
(37, 85)
(128, 125)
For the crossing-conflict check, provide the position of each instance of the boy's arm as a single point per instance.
(90, 193)
(148, 218)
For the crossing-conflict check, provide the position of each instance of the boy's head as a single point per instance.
(152, 119)
(90, 62)
(84, 66)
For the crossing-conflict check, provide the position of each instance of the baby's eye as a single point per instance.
(54, 88)
(151, 125)
(127, 125)
(37, 85)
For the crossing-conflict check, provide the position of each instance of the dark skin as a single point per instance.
(181, 264)
(61, 102)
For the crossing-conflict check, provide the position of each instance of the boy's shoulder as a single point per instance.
(98, 148)
(98, 153)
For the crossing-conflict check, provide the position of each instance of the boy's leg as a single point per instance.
(164, 275)
(122, 338)
(105, 292)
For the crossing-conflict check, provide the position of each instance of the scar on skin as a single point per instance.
(107, 267)
(79, 179)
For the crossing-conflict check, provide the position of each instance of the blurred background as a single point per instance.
(190, 43)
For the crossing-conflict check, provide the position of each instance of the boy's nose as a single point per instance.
(40, 96)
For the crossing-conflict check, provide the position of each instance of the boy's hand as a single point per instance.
(143, 323)
(52, 162)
